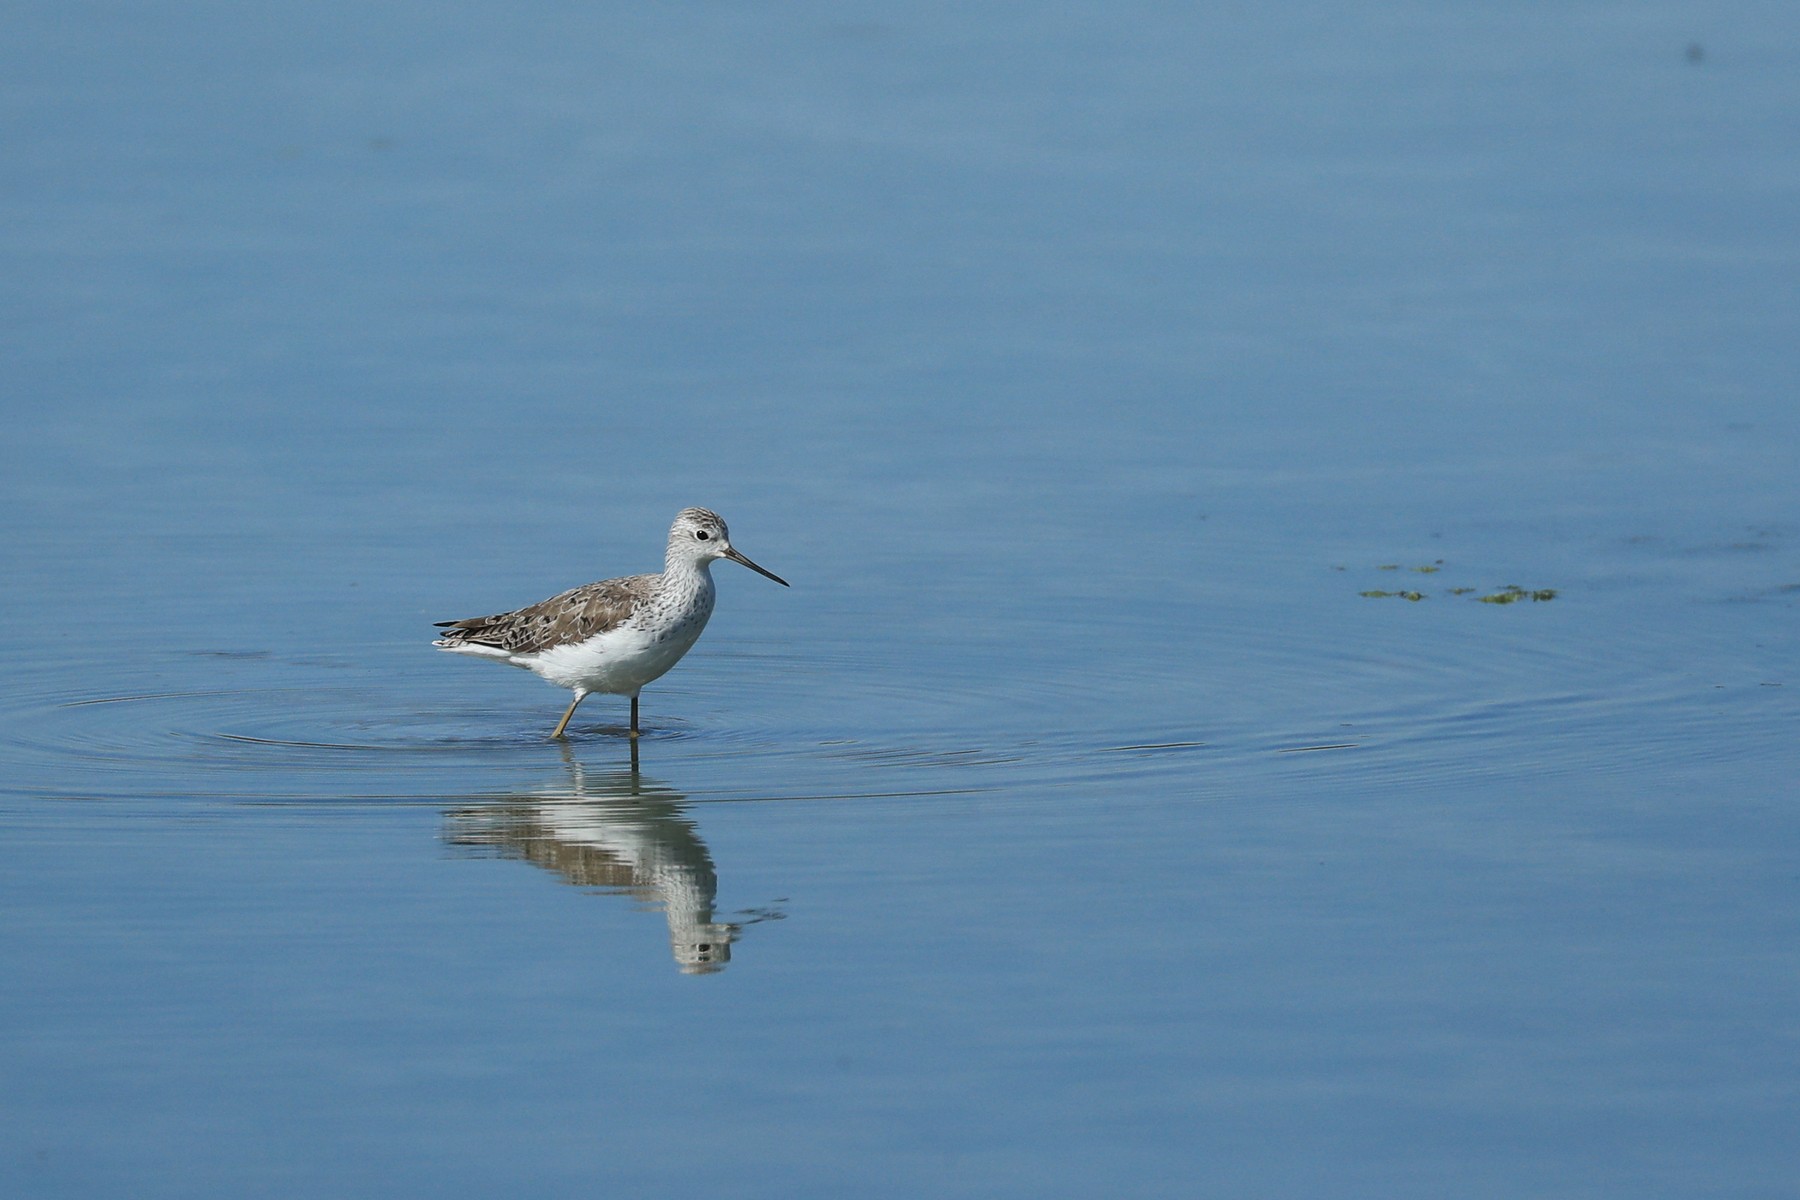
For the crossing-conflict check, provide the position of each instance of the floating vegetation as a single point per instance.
(1512, 593)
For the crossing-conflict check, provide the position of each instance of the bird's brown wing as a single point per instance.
(574, 616)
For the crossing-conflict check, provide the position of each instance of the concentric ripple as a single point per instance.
(1406, 695)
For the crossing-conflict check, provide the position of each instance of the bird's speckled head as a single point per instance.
(701, 526)
(699, 536)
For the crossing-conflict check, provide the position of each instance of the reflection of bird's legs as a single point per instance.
(634, 725)
(564, 723)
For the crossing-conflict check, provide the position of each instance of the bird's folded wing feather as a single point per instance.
(573, 616)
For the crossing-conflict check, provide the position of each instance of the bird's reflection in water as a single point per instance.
(619, 832)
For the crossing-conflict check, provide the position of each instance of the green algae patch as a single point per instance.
(1512, 593)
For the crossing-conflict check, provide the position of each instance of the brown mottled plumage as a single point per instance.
(574, 616)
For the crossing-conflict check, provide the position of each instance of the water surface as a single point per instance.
(1079, 823)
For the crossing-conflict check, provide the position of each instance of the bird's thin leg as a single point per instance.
(564, 723)
(634, 724)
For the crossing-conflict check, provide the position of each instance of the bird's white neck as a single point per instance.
(686, 577)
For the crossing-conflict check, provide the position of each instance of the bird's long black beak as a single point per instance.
(735, 557)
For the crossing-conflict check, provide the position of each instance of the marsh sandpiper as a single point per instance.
(617, 635)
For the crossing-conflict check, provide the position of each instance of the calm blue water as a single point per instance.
(1076, 825)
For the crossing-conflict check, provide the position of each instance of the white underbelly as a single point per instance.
(619, 661)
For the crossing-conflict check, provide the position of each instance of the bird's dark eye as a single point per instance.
(701, 534)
